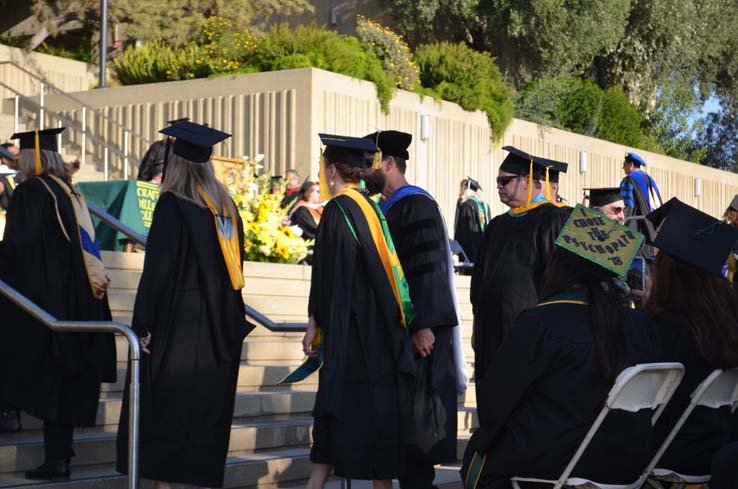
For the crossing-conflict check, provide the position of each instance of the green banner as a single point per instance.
(131, 201)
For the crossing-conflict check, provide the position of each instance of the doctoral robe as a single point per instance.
(418, 231)
(471, 222)
(50, 375)
(197, 325)
(508, 275)
(706, 430)
(544, 390)
(367, 357)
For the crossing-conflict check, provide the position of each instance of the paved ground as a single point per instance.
(447, 477)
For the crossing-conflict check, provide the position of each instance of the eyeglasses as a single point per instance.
(502, 181)
(617, 210)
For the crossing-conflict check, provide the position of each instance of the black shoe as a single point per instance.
(58, 470)
(10, 421)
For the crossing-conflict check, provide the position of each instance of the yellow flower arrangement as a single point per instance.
(266, 236)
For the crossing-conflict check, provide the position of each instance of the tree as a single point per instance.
(148, 20)
(719, 138)
(434, 20)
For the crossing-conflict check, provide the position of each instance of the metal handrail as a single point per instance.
(116, 224)
(256, 316)
(128, 132)
(96, 327)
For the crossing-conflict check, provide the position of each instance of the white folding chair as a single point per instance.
(644, 386)
(719, 389)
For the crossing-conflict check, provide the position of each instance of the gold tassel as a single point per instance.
(39, 167)
(377, 161)
(325, 189)
(530, 182)
(548, 186)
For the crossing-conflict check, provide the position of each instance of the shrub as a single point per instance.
(224, 45)
(457, 73)
(392, 50)
(157, 62)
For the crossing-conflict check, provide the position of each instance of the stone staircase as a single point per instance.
(271, 430)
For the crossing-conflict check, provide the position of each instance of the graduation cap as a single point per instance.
(194, 142)
(692, 236)
(392, 143)
(734, 203)
(603, 196)
(635, 158)
(348, 150)
(554, 168)
(6, 154)
(473, 184)
(46, 138)
(518, 162)
(183, 119)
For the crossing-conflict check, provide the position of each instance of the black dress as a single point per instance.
(196, 319)
(367, 352)
(418, 232)
(541, 394)
(706, 430)
(508, 275)
(52, 376)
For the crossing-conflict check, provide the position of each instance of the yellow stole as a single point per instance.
(228, 239)
(390, 260)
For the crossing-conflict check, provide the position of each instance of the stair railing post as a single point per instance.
(84, 136)
(106, 171)
(41, 109)
(16, 115)
(125, 155)
(133, 409)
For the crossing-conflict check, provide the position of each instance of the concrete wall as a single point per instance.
(66, 74)
(279, 114)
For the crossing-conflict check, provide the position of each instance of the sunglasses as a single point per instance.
(502, 181)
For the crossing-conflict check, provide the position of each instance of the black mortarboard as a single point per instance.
(692, 236)
(518, 162)
(348, 150)
(603, 196)
(183, 119)
(392, 143)
(194, 141)
(554, 168)
(473, 184)
(46, 138)
(734, 203)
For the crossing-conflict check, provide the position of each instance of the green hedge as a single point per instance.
(457, 73)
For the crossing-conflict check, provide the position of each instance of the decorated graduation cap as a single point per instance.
(348, 150)
(734, 203)
(45, 139)
(194, 142)
(603, 196)
(692, 236)
(392, 143)
(635, 159)
(600, 240)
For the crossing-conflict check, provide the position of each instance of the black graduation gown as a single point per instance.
(7, 192)
(417, 230)
(367, 352)
(706, 430)
(52, 376)
(468, 230)
(197, 323)
(303, 217)
(508, 274)
(154, 155)
(542, 393)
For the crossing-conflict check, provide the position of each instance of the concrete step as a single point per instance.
(248, 404)
(95, 446)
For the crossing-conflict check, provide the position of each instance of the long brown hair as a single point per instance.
(184, 177)
(731, 216)
(708, 302)
(373, 178)
(568, 272)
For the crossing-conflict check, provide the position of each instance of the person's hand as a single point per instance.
(145, 341)
(423, 340)
(309, 345)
